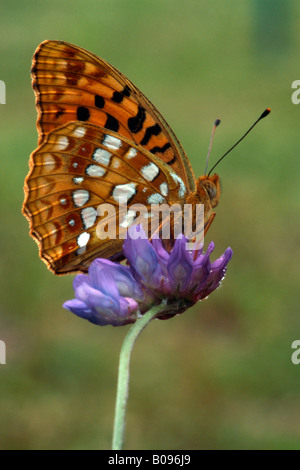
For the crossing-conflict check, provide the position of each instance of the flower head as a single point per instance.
(114, 294)
(107, 295)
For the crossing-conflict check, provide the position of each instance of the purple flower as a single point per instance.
(181, 276)
(107, 295)
(114, 294)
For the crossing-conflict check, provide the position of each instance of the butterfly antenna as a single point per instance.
(217, 122)
(264, 114)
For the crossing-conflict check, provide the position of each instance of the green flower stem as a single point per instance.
(123, 378)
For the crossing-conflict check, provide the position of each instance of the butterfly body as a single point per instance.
(101, 142)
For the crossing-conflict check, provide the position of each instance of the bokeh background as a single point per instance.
(220, 376)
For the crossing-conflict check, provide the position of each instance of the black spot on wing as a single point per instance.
(135, 123)
(118, 96)
(150, 131)
(161, 149)
(83, 113)
(111, 123)
(99, 101)
(173, 160)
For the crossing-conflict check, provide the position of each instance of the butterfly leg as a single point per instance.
(209, 222)
(158, 230)
(207, 225)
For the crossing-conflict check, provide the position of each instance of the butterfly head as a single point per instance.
(209, 189)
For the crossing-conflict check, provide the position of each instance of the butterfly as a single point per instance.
(99, 140)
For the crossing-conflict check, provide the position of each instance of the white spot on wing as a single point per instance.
(155, 198)
(78, 179)
(111, 142)
(102, 156)
(89, 215)
(128, 219)
(164, 189)
(82, 241)
(177, 179)
(150, 171)
(124, 192)
(61, 143)
(80, 197)
(132, 152)
(79, 131)
(95, 170)
(49, 161)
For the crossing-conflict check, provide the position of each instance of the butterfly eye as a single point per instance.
(211, 190)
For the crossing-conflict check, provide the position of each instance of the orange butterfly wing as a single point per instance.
(100, 139)
(72, 84)
(76, 170)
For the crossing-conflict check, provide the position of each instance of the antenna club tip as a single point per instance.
(265, 113)
(217, 122)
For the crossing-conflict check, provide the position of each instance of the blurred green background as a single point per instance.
(220, 376)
